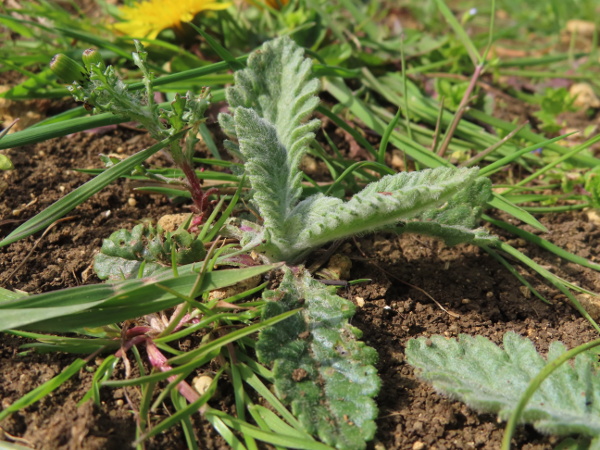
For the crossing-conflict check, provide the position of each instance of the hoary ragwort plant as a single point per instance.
(320, 368)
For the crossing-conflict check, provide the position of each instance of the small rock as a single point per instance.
(418, 445)
(585, 97)
(238, 288)
(593, 217)
(171, 222)
(591, 303)
(525, 291)
(340, 265)
(397, 162)
(309, 165)
(583, 28)
(202, 383)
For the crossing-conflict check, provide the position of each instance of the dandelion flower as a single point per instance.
(148, 18)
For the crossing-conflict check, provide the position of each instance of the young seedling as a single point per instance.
(269, 104)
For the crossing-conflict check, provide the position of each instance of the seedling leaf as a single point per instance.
(124, 252)
(490, 379)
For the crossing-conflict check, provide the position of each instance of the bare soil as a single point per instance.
(478, 295)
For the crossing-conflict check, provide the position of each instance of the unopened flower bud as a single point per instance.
(91, 57)
(67, 69)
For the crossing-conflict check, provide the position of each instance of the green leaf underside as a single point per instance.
(320, 368)
(490, 379)
(381, 204)
(277, 87)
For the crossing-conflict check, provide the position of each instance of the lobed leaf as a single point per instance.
(489, 379)
(392, 199)
(270, 101)
(320, 367)
(124, 252)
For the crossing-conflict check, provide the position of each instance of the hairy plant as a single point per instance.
(321, 369)
(270, 102)
(319, 366)
(144, 250)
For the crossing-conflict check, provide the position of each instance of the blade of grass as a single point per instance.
(270, 438)
(582, 160)
(542, 243)
(223, 53)
(342, 93)
(534, 385)
(342, 124)
(501, 203)
(98, 305)
(550, 277)
(386, 137)
(554, 163)
(502, 162)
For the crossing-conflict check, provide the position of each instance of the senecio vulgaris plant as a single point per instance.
(320, 368)
(99, 88)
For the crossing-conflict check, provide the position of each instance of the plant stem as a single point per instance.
(462, 108)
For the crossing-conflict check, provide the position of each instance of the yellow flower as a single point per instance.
(148, 18)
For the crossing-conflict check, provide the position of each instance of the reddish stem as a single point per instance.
(158, 360)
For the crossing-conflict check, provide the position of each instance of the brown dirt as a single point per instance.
(464, 280)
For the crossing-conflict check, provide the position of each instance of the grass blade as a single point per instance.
(99, 305)
(459, 30)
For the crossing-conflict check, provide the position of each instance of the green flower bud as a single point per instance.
(91, 57)
(67, 69)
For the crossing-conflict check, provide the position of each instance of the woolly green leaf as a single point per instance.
(319, 366)
(278, 85)
(450, 234)
(454, 221)
(267, 169)
(379, 205)
(490, 379)
(278, 88)
(269, 102)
